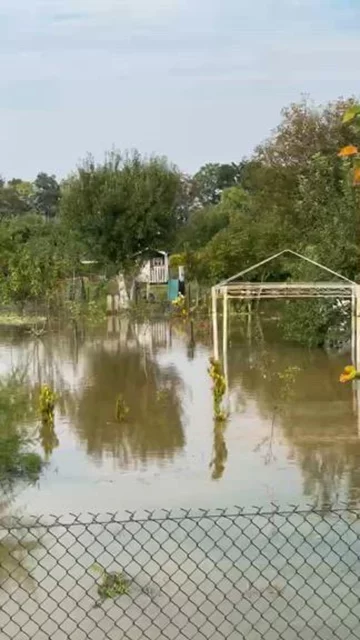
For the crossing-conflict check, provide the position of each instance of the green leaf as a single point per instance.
(96, 568)
(351, 113)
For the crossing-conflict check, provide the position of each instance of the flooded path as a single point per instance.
(292, 435)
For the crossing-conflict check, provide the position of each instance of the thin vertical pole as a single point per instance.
(353, 355)
(225, 321)
(353, 327)
(249, 323)
(357, 323)
(357, 350)
(225, 344)
(215, 323)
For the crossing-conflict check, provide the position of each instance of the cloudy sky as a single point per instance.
(197, 80)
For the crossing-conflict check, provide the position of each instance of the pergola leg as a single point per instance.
(353, 328)
(215, 323)
(357, 326)
(357, 350)
(225, 344)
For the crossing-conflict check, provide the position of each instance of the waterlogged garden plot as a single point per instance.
(219, 574)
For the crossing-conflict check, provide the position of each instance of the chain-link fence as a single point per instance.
(252, 574)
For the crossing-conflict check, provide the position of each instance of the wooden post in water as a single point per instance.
(215, 323)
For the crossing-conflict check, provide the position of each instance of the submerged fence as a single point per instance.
(234, 573)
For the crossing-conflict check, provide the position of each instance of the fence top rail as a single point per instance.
(49, 521)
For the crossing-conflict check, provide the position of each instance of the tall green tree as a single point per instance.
(15, 198)
(46, 195)
(305, 130)
(123, 206)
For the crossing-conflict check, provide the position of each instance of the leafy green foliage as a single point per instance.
(305, 130)
(47, 400)
(123, 206)
(46, 195)
(218, 389)
(351, 114)
(211, 180)
(297, 192)
(34, 257)
(17, 461)
(15, 199)
(112, 585)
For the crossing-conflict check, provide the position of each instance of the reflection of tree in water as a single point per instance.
(220, 452)
(19, 466)
(267, 444)
(18, 463)
(48, 438)
(153, 426)
(314, 411)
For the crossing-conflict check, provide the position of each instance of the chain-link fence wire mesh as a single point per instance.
(252, 574)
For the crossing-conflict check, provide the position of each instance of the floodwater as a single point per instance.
(292, 435)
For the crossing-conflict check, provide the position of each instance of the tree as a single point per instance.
(24, 189)
(202, 225)
(304, 131)
(46, 195)
(34, 257)
(153, 429)
(352, 118)
(210, 181)
(15, 198)
(123, 206)
(327, 216)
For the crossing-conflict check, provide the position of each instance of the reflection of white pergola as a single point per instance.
(235, 288)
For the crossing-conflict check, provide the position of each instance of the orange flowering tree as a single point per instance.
(350, 151)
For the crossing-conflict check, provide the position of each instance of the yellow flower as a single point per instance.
(349, 150)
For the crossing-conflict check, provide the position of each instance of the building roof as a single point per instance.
(149, 249)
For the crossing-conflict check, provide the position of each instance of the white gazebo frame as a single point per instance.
(343, 289)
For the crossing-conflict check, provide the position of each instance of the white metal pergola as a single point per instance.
(235, 288)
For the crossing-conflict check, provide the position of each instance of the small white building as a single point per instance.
(155, 267)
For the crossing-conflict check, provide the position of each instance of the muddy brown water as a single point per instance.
(292, 435)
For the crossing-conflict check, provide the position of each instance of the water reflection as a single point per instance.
(292, 429)
(48, 438)
(220, 452)
(153, 427)
(298, 391)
